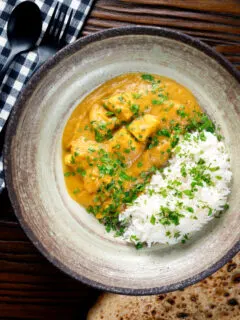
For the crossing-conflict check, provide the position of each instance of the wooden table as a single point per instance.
(30, 287)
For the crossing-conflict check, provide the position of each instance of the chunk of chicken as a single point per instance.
(101, 120)
(143, 127)
(173, 113)
(159, 155)
(83, 151)
(120, 105)
(124, 144)
(92, 180)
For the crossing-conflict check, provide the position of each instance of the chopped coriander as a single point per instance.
(147, 77)
(181, 113)
(139, 164)
(76, 190)
(134, 108)
(133, 237)
(154, 142)
(124, 176)
(183, 170)
(67, 174)
(153, 220)
(202, 136)
(189, 193)
(226, 206)
(139, 245)
(98, 136)
(108, 228)
(136, 95)
(163, 132)
(72, 161)
(168, 234)
(119, 110)
(120, 232)
(121, 99)
(174, 141)
(210, 212)
(81, 171)
(157, 101)
(109, 114)
(177, 234)
(213, 169)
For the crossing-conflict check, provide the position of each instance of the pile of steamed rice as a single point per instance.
(169, 191)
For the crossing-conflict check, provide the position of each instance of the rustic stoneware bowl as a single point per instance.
(61, 229)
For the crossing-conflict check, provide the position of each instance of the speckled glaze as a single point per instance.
(62, 230)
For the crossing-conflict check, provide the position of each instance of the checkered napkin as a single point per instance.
(21, 69)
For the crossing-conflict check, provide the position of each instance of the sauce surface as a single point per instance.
(119, 135)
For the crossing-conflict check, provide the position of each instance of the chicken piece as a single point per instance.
(160, 154)
(101, 121)
(173, 113)
(124, 144)
(120, 105)
(83, 151)
(92, 180)
(69, 160)
(144, 127)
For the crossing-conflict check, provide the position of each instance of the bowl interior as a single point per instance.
(61, 228)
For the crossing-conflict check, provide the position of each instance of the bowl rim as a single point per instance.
(11, 129)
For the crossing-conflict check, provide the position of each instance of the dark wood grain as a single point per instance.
(30, 287)
(222, 6)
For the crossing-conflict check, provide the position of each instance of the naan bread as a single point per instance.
(216, 298)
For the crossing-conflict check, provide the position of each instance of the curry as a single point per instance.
(119, 135)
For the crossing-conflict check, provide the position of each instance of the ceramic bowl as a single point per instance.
(60, 228)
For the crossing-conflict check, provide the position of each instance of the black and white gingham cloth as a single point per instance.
(21, 69)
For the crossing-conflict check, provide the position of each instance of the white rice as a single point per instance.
(142, 219)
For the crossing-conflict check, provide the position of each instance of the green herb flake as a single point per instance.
(139, 164)
(139, 245)
(183, 171)
(226, 206)
(81, 171)
(67, 174)
(154, 142)
(213, 169)
(157, 101)
(76, 191)
(202, 136)
(189, 193)
(177, 234)
(109, 114)
(181, 113)
(174, 141)
(136, 95)
(147, 77)
(210, 212)
(168, 234)
(134, 108)
(72, 161)
(153, 220)
(121, 99)
(163, 132)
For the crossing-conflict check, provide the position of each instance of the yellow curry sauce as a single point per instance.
(119, 135)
